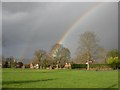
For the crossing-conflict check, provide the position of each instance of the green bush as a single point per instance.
(100, 65)
(27, 65)
(114, 62)
(78, 66)
(92, 66)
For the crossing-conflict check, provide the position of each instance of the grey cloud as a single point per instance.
(41, 25)
(104, 22)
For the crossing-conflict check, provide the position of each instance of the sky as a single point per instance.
(28, 26)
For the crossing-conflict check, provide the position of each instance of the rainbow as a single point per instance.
(78, 21)
(70, 29)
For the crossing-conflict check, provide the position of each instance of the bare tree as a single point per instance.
(60, 54)
(39, 56)
(89, 47)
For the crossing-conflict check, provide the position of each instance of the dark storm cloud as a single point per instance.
(104, 22)
(39, 25)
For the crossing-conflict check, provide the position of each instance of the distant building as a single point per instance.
(36, 66)
(19, 65)
(67, 65)
(31, 66)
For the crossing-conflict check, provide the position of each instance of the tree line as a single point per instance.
(58, 55)
(89, 50)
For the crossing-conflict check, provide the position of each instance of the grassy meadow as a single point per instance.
(36, 78)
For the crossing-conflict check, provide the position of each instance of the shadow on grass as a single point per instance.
(112, 86)
(29, 81)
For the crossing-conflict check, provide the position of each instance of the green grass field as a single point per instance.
(31, 78)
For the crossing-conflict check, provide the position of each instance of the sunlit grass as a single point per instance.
(31, 78)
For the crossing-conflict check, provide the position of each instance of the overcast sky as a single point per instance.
(28, 26)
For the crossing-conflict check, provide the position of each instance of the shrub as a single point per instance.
(92, 66)
(114, 62)
(78, 66)
(27, 65)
